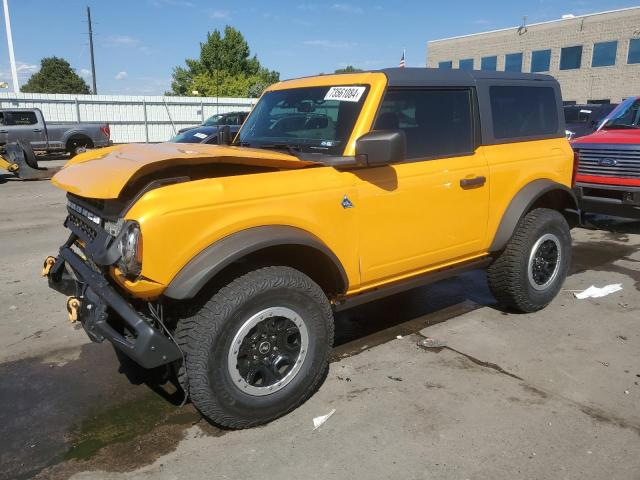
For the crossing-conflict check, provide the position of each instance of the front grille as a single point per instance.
(95, 204)
(609, 162)
(82, 225)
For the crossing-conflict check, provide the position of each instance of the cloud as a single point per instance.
(346, 8)
(84, 72)
(121, 75)
(219, 14)
(307, 6)
(121, 41)
(329, 44)
(171, 3)
(24, 70)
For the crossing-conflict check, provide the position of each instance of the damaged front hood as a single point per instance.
(104, 173)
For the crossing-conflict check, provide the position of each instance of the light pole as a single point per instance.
(12, 58)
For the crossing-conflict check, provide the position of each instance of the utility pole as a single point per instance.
(93, 63)
(12, 58)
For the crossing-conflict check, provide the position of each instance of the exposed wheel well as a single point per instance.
(559, 200)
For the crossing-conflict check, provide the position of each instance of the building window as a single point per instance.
(601, 101)
(437, 123)
(520, 112)
(489, 63)
(513, 62)
(466, 64)
(540, 61)
(604, 54)
(634, 51)
(571, 58)
(447, 65)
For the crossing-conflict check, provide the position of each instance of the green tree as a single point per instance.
(225, 68)
(348, 69)
(55, 76)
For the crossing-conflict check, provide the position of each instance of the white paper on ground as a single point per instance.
(596, 292)
(318, 421)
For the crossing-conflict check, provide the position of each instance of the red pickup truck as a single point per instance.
(608, 177)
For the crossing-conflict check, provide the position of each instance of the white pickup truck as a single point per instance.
(28, 124)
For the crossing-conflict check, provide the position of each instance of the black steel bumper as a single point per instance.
(146, 345)
(615, 200)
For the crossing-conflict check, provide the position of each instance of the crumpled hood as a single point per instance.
(104, 173)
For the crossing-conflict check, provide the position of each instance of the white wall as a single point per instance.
(126, 114)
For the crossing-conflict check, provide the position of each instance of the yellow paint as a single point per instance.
(408, 218)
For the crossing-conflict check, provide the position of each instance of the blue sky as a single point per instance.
(138, 42)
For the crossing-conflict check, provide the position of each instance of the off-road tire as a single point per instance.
(206, 337)
(508, 275)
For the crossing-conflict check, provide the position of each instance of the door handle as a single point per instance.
(4, 131)
(37, 130)
(473, 182)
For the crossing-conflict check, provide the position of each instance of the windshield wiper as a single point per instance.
(295, 150)
(621, 126)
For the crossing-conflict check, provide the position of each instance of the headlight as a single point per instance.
(130, 248)
(569, 134)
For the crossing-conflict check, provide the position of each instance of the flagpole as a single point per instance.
(12, 58)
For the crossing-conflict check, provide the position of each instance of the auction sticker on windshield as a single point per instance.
(345, 94)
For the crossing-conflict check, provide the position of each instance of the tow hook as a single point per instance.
(48, 263)
(73, 305)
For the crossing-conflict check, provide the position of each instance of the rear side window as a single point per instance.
(437, 123)
(20, 118)
(523, 111)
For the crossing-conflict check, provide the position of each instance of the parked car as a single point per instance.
(250, 248)
(202, 135)
(230, 118)
(582, 120)
(29, 124)
(608, 177)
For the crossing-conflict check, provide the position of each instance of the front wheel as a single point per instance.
(530, 271)
(258, 348)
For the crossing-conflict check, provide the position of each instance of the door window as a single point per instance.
(437, 123)
(20, 118)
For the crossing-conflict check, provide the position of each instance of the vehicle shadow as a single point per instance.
(611, 224)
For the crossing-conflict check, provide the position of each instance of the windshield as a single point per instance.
(310, 119)
(195, 135)
(214, 120)
(625, 115)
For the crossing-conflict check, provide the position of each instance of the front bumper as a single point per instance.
(615, 200)
(103, 308)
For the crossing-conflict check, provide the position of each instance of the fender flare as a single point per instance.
(521, 203)
(213, 259)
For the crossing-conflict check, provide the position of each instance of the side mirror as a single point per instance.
(224, 135)
(381, 147)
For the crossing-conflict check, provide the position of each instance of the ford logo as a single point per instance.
(607, 162)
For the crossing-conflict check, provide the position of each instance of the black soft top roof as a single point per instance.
(433, 77)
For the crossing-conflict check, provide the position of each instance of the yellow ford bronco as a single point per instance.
(227, 262)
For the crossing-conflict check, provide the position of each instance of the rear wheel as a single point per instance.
(77, 145)
(258, 348)
(530, 271)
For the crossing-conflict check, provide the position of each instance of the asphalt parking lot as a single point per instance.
(549, 395)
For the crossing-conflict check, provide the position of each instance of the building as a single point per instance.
(595, 57)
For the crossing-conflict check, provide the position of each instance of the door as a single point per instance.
(433, 207)
(24, 125)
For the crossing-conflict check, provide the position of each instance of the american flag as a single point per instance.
(402, 62)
